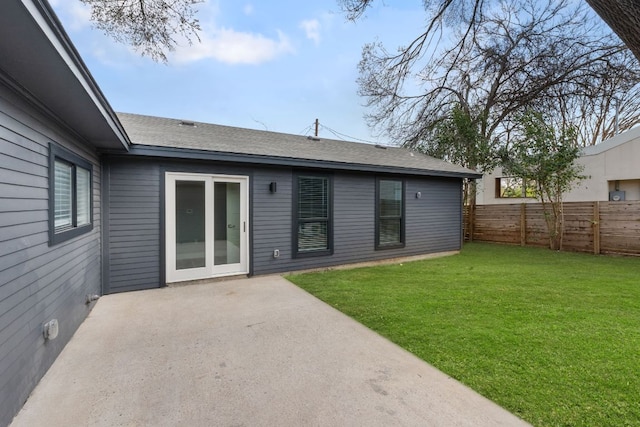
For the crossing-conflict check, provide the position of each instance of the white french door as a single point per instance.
(207, 230)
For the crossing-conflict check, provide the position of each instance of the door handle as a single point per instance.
(231, 226)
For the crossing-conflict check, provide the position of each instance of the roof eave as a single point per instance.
(38, 41)
(192, 154)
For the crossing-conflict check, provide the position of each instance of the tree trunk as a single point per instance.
(470, 196)
(623, 16)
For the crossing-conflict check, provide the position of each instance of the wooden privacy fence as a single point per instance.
(596, 227)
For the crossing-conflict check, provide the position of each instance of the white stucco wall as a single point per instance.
(613, 162)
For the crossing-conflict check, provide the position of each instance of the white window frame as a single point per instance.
(172, 274)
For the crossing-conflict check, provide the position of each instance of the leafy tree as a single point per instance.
(458, 139)
(545, 155)
(149, 26)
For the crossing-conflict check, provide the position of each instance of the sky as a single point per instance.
(270, 65)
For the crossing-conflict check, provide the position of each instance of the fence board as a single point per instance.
(596, 227)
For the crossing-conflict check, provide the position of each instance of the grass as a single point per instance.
(552, 337)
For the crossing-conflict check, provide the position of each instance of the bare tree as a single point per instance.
(607, 104)
(518, 55)
(150, 26)
(513, 57)
(623, 16)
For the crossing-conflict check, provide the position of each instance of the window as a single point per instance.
(312, 215)
(510, 187)
(69, 195)
(389, 213)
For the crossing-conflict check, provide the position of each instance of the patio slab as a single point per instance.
(244, 352)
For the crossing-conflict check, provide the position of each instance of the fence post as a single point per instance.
(523, 224)
(596, 228)
(472, 220)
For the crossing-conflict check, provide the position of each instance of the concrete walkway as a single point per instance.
(248, 352)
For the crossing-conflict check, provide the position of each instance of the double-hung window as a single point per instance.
(69, 195)
(312, 215)
(390, 211)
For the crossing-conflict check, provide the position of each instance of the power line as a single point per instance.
(305, 130)
(342, 136)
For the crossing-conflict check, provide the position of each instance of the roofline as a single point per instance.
(52, 27)
(613, 142)
(193, 154)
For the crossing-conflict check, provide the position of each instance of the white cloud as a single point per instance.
(233, 47)
(77, 16)
(218, 43)
(312, 29)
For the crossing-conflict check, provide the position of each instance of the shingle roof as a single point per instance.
(178, 134)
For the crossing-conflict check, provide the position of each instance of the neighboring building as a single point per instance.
(87, 208)
(611, 169)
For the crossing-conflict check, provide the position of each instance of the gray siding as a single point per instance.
(132, 224)
(134, 220)
(432, 222)
(37, 282)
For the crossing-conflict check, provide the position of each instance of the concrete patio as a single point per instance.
(245, 352)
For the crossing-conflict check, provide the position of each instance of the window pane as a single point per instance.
(389, 231)
(390, 199)
(531, 188)
(83, 196)
(313, 236)
(313, 197)
(390, 211)
(511, 187)
(63, 195)
(190, 224)
(227, 223)
(313, 213)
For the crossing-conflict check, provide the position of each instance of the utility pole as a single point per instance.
(616, 122)
(317, 124)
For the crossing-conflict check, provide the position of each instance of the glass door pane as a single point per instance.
(227, 223)
(190, 225)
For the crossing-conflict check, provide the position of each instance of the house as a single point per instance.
(610, 169)
(275, 203)
(54, 121)
(92, 202)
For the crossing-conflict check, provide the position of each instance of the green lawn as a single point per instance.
(553, 337)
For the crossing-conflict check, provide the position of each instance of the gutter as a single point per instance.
(192, 154)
